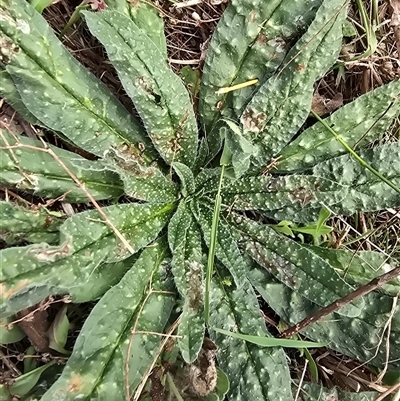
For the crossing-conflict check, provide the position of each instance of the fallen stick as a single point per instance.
(377, 282)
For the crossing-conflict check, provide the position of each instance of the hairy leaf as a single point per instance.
(365, 337)
(292, 191)
(295, 265)
(9, 93)
(358, 268)
(24, 166)
(146, 16)
(186, 177)
(19, 224)
(97, 366)
(366, 191)
(264, 371)
(159, 95)
(251, 40)
(49, 79)
(282, 104)
(85, 263)
(184, 239)
(358, 123)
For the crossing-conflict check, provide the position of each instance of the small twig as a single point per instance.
(184, 62)
(140, 387)
(390, 390)
(188, 3)
(301, 381)
(377, 282)
(133, 332)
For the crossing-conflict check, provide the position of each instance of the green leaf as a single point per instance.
(49, 79)
(264, 370)
(141, 181)
(293, 191)
(26, 167)
(359, 123)
(315, 392)
(30, 362)
(23, 384)
(10, 333)
(9, 93)
(295, 265)
(186, 177)
(58, 331)
(241, 150)
(263, 341)
(223, 384)
(365, 336)
(40, 5)
(192, 79)
(85, 264)
(366, 191)
(251, 40)
(146, 16)
(159, 95)
(22, 224)
(359, 268)
(97, 366)
(282, 104)
(188, 269)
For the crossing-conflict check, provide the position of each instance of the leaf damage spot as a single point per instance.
(130, 159)
(262, 39)
(44, 254)
(7, 293)
(8, 50)
(253, 121)
(302, 195)
(194, 285)
(76, 383)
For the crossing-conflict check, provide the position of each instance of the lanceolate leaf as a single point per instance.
(283, 103)
(20, 224)
(251, 40)
(49, 79)
(97, 367)
(362, 338)
(9, 93)
(186, 177)
(159, 95)
(295, 265)
(78, 266)
(263, 370)
(35, 171)
(184, 239)
(366, 191)
(146, 16)
(356, 127)
(358, 268)
(270, 193)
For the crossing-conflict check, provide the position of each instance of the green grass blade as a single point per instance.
(271, 341)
